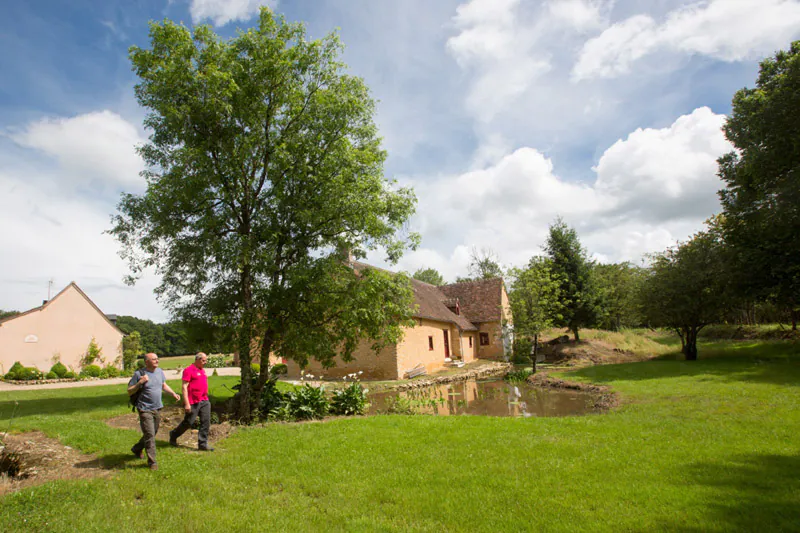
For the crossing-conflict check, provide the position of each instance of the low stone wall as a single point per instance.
(489, 370)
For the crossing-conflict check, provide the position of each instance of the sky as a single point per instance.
(502, 114)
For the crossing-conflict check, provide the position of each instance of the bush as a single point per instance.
(279, 370)
(51, 375)
(271, 398)
(139, 364)
(112, 371)
(59, 369)
(518, 376)
(216, 361)
(521, 351)
(307, 402)
(91, 371)
(69, 375)
(103, 373)
(12, 372)
(351, 400)
(29, 373)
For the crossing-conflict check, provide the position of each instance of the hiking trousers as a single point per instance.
(201, 409)
(149, 422)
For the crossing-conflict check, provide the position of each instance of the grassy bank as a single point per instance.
(703, 446)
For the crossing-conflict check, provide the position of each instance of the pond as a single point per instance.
(488, 398)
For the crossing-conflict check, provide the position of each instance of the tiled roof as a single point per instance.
(479, 300)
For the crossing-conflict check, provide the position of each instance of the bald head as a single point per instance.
(150, 361)
(200, 360)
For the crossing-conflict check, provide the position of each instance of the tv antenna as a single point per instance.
(49, 287)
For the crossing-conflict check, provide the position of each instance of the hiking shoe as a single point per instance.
(138, 454)
(173, 442)
(154, 466)
(205, 448)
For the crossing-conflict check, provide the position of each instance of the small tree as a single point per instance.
(131, 349)
(618, 292)
(93, 353)
(429, 275)
(572, 267)
(686, 289)
(534, 300)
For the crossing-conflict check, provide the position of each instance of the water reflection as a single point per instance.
(488, 398)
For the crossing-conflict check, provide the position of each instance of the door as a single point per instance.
(446, 344)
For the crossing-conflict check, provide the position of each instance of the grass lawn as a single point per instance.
(710, 445)
(171, 363)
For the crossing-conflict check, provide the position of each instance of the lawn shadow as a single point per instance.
(60, 405)
(755, 492)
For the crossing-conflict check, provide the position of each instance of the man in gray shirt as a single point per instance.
(150, 380)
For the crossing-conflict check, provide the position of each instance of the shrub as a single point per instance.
(112, 371)
(59, 369)
(12, 372)
(103, 373)
(51, 375)
(518, 376)
(279, 370)
(216, 361)
(140, 364)
(271, 398)
(69, 374)
(351, 400)
(400, 405)
(29, 373)
(91, 371)
(93, 353)
(307, 402)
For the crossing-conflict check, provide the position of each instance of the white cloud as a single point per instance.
(582, 15)
(96, 148)
(728, 30)
(221, 12)
(651, 189)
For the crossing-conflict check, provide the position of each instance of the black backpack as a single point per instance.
(133, 399)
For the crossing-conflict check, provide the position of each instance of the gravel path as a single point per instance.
(171, 374)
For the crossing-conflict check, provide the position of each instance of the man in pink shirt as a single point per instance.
(195, 402)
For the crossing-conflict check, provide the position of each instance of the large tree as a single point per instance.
(686, 288)
(429, 275)
(761, 201)
(535, 301)
(572, 267)
(618, 287)
(263, 162)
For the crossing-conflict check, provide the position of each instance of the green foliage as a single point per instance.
(687, 288)
(256, 368)
(535, 300)
(59, 369)
(263, 161)
(429, 275)
(521, 350)
(483, 264)
(15, 368)
(51, 375)
(7, 314)
(571, 266)
(760, 219)
(103, 373)
(91, 371)
(216, 361)
(139, 363)
(518, 376)
(112, 371)
(307, 402)
(279, 369)
(93, 353)
(24, 373)
(273, 401)
(400, 405)
(69, 374)
(350, 400)
(131, 349)
(618, 286)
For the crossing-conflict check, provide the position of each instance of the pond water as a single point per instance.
(488, 398)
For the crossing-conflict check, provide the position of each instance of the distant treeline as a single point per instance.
(174, 338)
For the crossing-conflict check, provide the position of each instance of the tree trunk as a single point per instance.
(794, 314)
(535, 351)
(266, 348)
(690, 346)
(575, 332)
(243, 408)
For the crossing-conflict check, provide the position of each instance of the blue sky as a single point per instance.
(502, 114)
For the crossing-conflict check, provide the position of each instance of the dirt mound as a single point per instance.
(170, 418)
(588, 352)
(30, 459)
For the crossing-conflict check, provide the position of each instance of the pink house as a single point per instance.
(59, 329)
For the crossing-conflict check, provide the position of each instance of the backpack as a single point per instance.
(133, 399)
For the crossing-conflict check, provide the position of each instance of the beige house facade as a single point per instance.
(457, 322)
(58, 330)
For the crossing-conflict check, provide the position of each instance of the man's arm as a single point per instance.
(185, 392)
(138, 385)
(167, 388)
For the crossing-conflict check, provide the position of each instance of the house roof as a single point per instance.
(479, 300)
(48, 302)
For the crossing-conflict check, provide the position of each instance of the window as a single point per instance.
(470, 341)
(430, 343)
(484, 339)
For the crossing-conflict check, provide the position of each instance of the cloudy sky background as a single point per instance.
(502, 114)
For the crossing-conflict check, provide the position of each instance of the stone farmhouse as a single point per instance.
(59, 329)
(457, 322)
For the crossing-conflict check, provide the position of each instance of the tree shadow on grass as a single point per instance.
(752, 492)
(60, 405)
